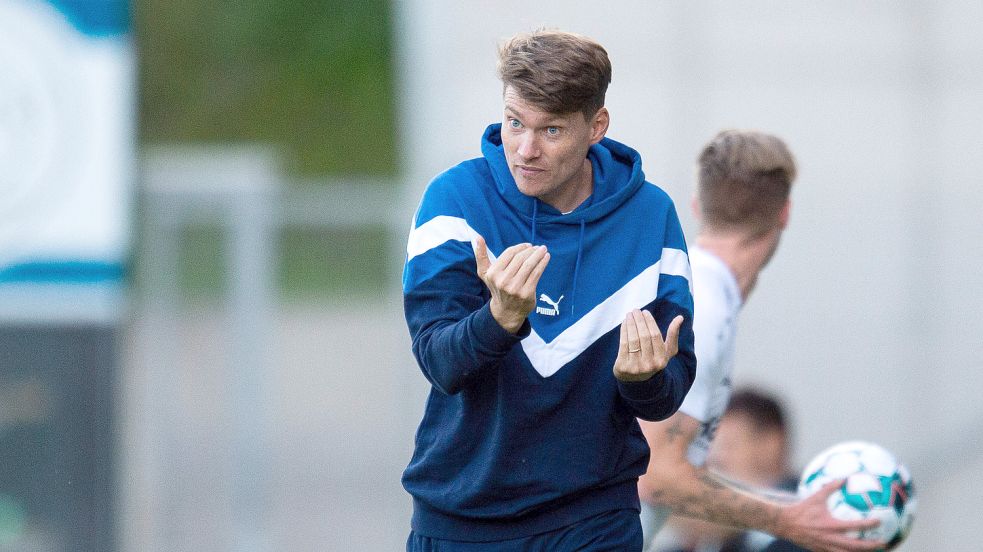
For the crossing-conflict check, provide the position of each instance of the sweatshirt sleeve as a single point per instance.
(445, 302)
(660, 396)
(455, 336)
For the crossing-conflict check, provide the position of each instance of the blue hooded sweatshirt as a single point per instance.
(523, 434)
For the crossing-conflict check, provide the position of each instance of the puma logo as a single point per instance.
(553, 310)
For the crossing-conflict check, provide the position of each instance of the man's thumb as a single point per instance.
(672, 334)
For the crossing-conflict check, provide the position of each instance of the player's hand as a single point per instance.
(512, 280)
(642, 353)
(809, 524)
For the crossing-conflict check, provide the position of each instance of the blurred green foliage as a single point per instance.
(313, 77)
(313, 263)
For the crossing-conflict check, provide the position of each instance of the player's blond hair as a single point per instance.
(744, 178)
(556, 71)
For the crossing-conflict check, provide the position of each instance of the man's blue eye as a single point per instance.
(552, 131)
(514, 123)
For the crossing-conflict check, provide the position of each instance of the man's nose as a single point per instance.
(528, 146)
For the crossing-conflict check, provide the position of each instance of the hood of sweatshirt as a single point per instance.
(617, 172)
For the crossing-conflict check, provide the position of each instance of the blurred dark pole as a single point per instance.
(57, 443)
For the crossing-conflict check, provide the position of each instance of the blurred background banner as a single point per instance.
(67, 151)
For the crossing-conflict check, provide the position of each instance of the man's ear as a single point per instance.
(599, 125)
(784, 214)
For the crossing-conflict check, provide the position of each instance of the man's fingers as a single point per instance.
(536, 273)
(830, 488)
(510, 266)
(480, 255)
(653, 329)
(850, 543)
(857, 524)
(869, 546)
(645, 341)
(623, 342)
(634, 345)
(530, 262)
(823, 495)
(510, 252)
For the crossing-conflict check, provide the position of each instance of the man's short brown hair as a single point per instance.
(556, 71)
(744, 180)
(764, 410)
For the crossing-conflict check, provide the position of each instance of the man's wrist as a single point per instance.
(635, 378)
(778, 522)
(510, 322)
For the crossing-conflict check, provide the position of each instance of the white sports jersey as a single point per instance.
(717, 302)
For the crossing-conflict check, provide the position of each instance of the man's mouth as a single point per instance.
(527, 170)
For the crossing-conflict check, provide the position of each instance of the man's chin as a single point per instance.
(527, 187)
(531, 191)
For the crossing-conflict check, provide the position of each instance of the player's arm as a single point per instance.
(691, 491)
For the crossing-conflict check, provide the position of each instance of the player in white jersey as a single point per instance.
(742, 203)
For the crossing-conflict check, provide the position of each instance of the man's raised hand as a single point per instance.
(642, 353)
(512, 280)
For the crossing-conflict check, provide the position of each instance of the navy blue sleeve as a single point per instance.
(454, 335)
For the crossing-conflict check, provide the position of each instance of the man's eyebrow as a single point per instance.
(553, 120)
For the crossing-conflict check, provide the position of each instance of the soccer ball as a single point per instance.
(877, 485)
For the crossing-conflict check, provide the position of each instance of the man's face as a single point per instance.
(747, 454)
(547, 152)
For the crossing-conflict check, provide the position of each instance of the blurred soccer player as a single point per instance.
(742, 202)
(543, 336)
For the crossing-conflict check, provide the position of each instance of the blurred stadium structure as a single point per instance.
(232, 444)
(247, 421)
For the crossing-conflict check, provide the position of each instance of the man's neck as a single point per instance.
(744, 255)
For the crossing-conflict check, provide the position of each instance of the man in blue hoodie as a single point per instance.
(539, 282)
